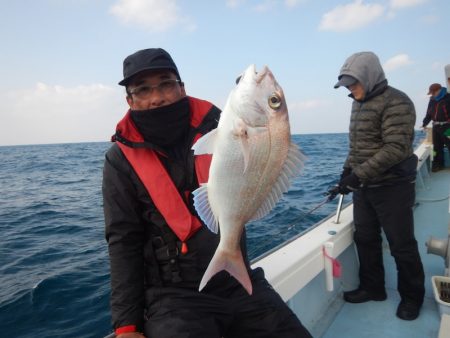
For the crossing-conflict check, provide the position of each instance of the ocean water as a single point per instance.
(54, 272)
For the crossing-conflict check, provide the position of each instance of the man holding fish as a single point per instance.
(173, 272)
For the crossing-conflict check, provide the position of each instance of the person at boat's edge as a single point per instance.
(380, 170)
(438, 111)
(158, 248)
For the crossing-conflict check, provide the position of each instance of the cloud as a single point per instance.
(234, 3)
(396, 62)
(292, 3)
(396, 5)
(351, 16)
(153, 15)
(264, 5)
(57, 114)
(399, 4)
(430, 19)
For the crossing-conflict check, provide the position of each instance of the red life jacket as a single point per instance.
(153, 175)
(437, 108)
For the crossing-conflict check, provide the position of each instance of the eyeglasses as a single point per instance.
(145, 91)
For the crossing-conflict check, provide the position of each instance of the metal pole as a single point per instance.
(339, 208)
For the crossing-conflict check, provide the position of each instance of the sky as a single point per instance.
(61, 60)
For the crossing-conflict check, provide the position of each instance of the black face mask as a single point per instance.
(163, 126)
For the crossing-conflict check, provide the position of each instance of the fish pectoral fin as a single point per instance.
(244, 132)
(205, 144)
(245, 152)
(231, 262)
(201, 204)
(240, 131)
(239, 128)
(255, 131)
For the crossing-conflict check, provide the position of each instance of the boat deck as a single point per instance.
(378, 319)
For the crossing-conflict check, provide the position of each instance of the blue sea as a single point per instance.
(54, 271)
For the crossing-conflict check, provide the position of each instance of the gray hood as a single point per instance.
(366, 68)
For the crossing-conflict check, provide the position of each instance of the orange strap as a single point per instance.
(125, 329)
(157, 181)
(162, 190)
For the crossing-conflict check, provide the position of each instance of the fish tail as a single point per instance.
(231, 262)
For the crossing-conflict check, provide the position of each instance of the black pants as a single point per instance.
(439, 141)
(182, 313)
(389, 208)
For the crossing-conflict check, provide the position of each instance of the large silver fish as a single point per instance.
(252, 164)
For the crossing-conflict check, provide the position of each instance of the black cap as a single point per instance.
(147, 59)
(345, 80)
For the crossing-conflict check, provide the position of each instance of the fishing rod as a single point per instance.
(331, 194)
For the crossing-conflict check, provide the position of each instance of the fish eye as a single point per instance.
(238, 79)
(274, 101)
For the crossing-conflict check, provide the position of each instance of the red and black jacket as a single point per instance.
(140, 223)
(438, 110)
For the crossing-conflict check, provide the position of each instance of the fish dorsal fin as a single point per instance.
(201, 204)
(291, 168)
(205, 144)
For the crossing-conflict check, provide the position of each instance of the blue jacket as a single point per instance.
(438, 108)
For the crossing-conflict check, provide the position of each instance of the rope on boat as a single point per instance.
(433, 200)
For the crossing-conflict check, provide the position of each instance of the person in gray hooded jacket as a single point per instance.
(380, 170)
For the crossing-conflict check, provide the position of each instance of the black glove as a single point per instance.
(332, 192)
(349, 184)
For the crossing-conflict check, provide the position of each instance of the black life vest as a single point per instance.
(147, 165)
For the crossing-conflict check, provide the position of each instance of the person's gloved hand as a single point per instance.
(332, 192)
(349, 184)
